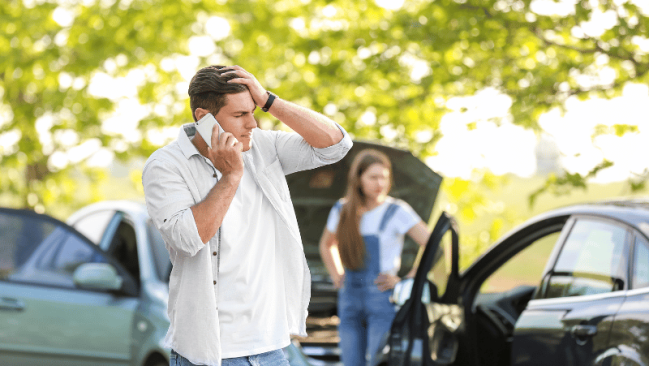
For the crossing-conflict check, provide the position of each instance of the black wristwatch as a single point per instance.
(269, 102)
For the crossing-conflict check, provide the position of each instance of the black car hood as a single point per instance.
(315, 191)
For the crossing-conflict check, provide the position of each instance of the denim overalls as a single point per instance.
(365, 312)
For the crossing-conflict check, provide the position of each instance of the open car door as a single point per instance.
(423, 331)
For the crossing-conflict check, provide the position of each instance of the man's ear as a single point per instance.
(200, 113)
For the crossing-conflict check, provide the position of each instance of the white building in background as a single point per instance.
(548, 155)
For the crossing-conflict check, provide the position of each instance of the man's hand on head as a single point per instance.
(258, 93)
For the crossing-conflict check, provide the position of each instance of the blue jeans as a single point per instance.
(272, 358)
(365, 312)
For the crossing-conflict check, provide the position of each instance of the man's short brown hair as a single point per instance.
(209, 88)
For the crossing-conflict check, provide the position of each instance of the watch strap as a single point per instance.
(269, 102)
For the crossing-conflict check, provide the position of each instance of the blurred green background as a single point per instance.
(522, 105)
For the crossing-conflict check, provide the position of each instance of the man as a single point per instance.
(240, 284)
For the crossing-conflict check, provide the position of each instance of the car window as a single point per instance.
(523, 269)
(442, 265)
(41, 251)
(160, 253)
(123, 248)
(20, 238)
(592, 260)
(94, 225)
(641, 263)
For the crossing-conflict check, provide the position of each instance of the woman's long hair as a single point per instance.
(350, 242)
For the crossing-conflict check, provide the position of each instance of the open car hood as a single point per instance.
(315, 191)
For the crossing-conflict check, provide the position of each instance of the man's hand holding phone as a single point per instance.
(226, 153)
(223, 150)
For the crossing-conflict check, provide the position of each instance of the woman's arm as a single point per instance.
(420, 234)
(331, 257)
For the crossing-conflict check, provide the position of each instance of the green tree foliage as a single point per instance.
(383, 74)
(564, 184)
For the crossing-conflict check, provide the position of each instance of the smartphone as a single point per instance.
(204, 127)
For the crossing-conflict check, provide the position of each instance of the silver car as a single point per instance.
(90, 292)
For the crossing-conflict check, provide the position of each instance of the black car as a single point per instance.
(568, 287)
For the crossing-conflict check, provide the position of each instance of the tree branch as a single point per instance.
(537, 32)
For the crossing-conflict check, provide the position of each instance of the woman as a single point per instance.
(361, 248)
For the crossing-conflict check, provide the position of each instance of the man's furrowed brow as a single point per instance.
(243, 112)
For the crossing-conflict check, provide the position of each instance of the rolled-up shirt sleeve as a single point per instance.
(296, 154)
(169, 202)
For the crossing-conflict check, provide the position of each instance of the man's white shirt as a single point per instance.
(251, 295)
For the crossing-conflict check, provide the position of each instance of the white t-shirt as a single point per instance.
(392, 236)
(252, 312)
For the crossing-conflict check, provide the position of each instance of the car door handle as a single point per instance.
(7, 303)
(584, 330)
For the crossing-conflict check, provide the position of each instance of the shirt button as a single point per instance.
(215, 282)
(214, 253)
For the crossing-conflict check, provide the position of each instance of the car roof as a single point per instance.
(135, 209)
(632, 211)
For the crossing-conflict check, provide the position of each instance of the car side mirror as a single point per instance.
(403, 289)
(97, 276)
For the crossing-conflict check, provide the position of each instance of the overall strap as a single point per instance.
(389, 212)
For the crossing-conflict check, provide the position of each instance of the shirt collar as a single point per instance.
(186, 145)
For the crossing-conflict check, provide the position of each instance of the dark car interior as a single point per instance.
(496, 316)
(503, 291)
(500, 292)
(124, 248)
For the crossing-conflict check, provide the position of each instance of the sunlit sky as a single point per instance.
(501, 148)
(512, 149)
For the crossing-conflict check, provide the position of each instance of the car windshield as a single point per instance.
(160, 253)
